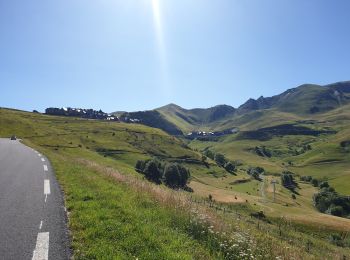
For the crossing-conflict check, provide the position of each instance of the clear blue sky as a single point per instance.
(142, 54)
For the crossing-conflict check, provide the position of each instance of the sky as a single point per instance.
(129, 55)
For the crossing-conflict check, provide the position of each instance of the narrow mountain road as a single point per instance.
(32, 213)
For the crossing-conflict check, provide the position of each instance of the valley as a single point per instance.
(113, 209)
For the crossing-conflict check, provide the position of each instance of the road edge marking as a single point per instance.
(41, 251)
(47, 187)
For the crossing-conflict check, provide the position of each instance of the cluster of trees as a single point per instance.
(287, 180)
(327, 200)
(173, 175)
(221, 161)
(262, 151)
(315, 182)
(255, 172)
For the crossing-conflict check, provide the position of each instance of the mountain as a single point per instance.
(151, 118)
(302, 100)
(193, 119)
(298, 103)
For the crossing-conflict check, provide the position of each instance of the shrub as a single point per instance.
(287, 180)
(220, 159)
(208, 153)
(176, 176)
(230, 167)
(314, 182)
(324, 184)
(152, 171)
(330, 202)
(306, 178)
(335, 210)
(255, 172)
(140, 166)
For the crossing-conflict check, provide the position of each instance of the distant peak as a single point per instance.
(170, 105)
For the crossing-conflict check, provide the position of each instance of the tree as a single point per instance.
(230, 167)
(324, 184)
(335, 210)
(208, 153)
(152, 171)
(314, 182)
(220, 159)
(140, 166)
(184, 175)
(288, 180)
(171, 175)
(176, 176)
(306, 178)
(255, 172)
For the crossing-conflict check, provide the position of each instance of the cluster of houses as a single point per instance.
(80, 112)
(196, 134)
(126, 119)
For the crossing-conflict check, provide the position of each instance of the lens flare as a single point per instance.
(158, 27)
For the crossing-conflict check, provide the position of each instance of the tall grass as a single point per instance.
(223, 236)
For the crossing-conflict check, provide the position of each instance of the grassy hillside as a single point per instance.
(115, 213)
(196, 119)
(320, 156)
(303, 102)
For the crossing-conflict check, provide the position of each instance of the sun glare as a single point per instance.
(158, 27)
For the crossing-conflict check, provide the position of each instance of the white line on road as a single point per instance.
(42, 159)
(41, 224)
(45, 168)
(39, 155)
(46, 187)
(41, 251)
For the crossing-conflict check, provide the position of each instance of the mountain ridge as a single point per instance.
(302, 101)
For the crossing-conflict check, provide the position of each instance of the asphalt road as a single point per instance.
(32, 214)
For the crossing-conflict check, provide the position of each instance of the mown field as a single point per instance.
(115, 214)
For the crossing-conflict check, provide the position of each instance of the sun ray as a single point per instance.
(158, 27)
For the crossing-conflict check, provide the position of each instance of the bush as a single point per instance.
(176, 176)
(306, 178)
(140, 166)
(152, 171)
(324, 184)
(314, 182)
(220, 159)
(287, 180)
(173, 175)
(335, 210)
(230, 167)
(330, 202)
(255, 172)
(208, 153)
